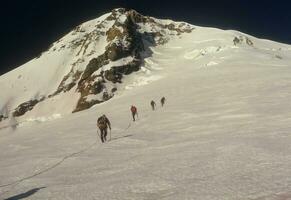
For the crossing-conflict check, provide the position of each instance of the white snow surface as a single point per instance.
(224, 132)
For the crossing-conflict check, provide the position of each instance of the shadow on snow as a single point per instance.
(25, 194)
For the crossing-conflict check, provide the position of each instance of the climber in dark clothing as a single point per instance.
(153, 104)
(103, 123)
(133, 110)
(163, 100)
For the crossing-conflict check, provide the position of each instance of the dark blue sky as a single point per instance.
(28, 27)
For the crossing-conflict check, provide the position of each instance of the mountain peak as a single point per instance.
(95, 56)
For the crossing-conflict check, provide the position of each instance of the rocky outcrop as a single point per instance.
(67, 84)
(241, 40)
(94, 65)
(124, 40)
(236, 41)
(25, 107)
(116, 73)
(2, 117)
(249, 42)
(83, 104)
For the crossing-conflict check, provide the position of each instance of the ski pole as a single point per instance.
(110, 135)
(98, 134)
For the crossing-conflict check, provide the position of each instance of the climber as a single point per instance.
(163, 100)
(103, 123)
(153, 104)
(133, 112)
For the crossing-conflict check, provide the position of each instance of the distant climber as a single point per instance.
(103, 123)
(153, 104)
(133, 110)
(163, 100)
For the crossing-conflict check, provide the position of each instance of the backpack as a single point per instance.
(163, 100)
(102, 123)
(133, 109)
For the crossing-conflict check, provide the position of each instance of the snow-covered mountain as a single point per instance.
(86, 66)
(224, 132)
(100, 58)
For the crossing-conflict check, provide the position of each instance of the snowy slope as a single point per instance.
(223, 134)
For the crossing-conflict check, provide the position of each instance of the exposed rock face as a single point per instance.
(25, 107)
(66, 86)
(242, 39)
(249, 42)
(2, 117)
(124, 40)
(83, 104)
(236, 41)
(116, 73)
